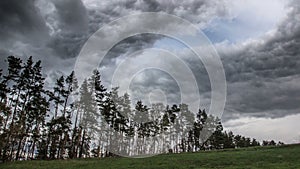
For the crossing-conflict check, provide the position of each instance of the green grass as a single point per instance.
(266, 157)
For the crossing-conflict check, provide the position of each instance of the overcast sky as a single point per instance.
(257, 41)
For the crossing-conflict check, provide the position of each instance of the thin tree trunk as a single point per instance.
(33, 149)
(82, 144)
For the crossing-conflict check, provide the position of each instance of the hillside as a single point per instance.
(260, 157)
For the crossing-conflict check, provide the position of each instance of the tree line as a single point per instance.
(72, 121)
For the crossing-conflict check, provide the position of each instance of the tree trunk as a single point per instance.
(82, 144)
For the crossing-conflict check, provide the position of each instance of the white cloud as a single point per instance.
(247, 19)
(284, 129)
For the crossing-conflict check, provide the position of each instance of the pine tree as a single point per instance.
(12, 100)
(66, 122)
(36, 107)
(217, 138)
(254, 142)
(238, 141)
(140, 118)
(89, 118)
(5, 113)
(56, 124)
(201, 117)
(27, 85)
(228, 140)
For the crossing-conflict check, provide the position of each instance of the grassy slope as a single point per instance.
(267, 157)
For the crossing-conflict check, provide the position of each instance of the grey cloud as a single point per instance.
(276, 56)
(262, 76)
(149, 80)
(66, 25)
(20, 19)
(67, 45)
(68, 21)
(72, 15)
(129, 45)
(195, 11)
(275, 98)
(51, 31)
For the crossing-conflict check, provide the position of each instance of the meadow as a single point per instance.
(287, 156)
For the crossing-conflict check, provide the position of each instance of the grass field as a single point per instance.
(266, 157)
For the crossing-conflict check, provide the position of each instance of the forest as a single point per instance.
(68, 120)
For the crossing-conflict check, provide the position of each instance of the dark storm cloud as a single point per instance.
(21, 26)
(63, 26)
(68, 22)
(130, 45)
(263, 76)
(20, 19)
(195, 11)
(67, 45)
(54, 31)
(72, 15)
(277, 56)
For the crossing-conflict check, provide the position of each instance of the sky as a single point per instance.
(257, 42)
